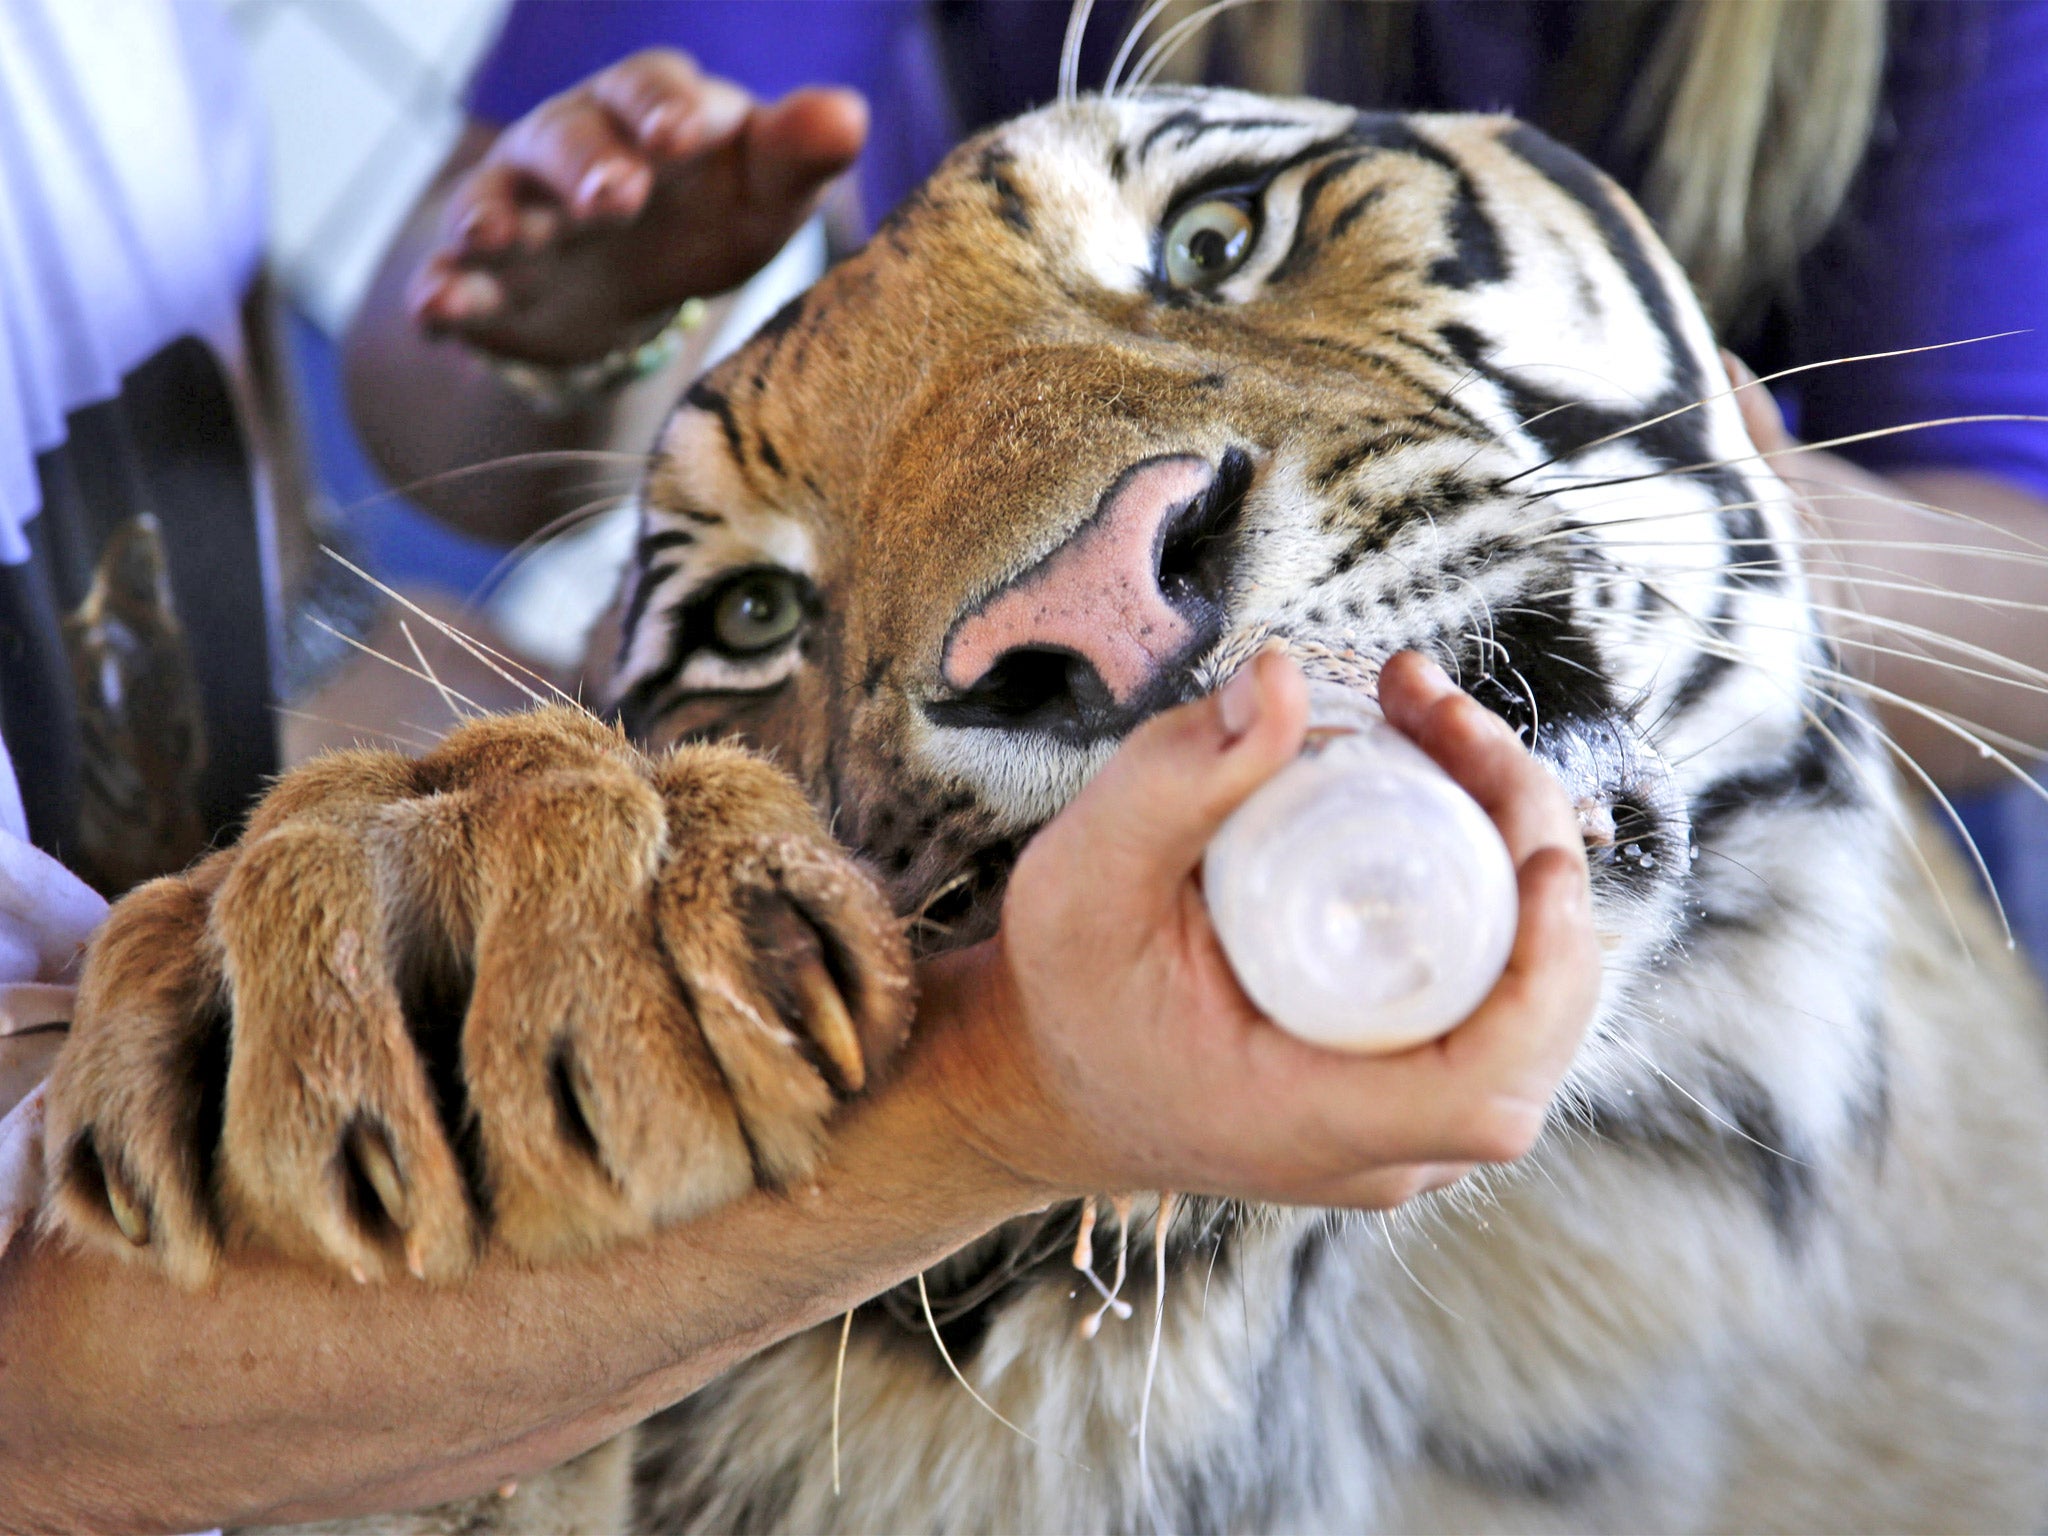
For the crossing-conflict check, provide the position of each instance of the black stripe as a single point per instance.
(658, 543)
(1194, 126)
(1351, 214)
(1467, 424)
(1545, 1471)
(1578, 180)
(705, 398)
(1735, 1127)
(1302, 249)
(1536, 647)
(994, 172)
(1478, 255)
(1814, 775)
(651, 576)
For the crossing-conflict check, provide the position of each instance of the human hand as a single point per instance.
(1100, 1042)
(597, 213)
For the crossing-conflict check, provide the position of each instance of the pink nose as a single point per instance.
(1100, 597)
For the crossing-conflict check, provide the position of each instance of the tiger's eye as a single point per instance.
(1208, 242)
(757, 612)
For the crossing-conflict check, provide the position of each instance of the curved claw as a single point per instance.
(129, 1214)
(370, 1152)
(828, 1022)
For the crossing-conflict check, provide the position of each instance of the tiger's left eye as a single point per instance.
(757, 612)
(1207, 242)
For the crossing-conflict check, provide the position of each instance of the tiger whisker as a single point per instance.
(476, 648)
(1837, 678)
(393, 661)
(531, 460)
(1384, 1220)
(1702, 1105)
(1161, 53)
(427, 667)
(527, 548)
(1825, 445)
(1802, 538)
(1070, 50)
(1707, 640)
(418, 744)
(1137, 30)
(2023, 676)
(1830, 566)
(1767, 379)
(925, 1298)
(1975, 734)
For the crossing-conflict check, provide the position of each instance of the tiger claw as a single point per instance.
(830, 1025)
(129, 1215)
(372, 1155)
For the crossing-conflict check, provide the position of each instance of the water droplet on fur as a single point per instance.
(1649, 861)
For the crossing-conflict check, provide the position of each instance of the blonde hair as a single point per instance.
(1750, 117)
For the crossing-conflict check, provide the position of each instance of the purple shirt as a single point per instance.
(1944, 238)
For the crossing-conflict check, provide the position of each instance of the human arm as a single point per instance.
(1042, 1068)
(1926, 550)
(1921, 330)
(574, 232)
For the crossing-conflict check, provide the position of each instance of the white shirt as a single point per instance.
(46, 916)
(131, 213)
(131, 209)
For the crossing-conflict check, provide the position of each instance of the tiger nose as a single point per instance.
(1095, 625)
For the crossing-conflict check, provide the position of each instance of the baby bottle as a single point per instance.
(1364, 900)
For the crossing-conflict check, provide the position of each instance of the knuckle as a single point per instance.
(1504, 1130)
(1404, 1185)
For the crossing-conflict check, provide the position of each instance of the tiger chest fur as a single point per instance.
(1129, 387)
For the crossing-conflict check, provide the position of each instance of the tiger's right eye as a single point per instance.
(759, 610)
(1207, 242)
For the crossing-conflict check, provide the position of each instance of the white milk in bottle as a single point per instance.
(1364, 900)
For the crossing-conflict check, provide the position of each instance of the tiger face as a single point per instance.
(1133, 385)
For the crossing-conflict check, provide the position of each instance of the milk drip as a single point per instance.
(1364, 900)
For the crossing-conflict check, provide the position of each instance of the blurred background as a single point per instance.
(364, 100)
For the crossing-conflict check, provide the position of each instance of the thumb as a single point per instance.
(1144, 821)
(801, 142)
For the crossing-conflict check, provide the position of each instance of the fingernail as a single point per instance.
(1433, 673)
(662, 126)
(536, 228)
(597, 183)
(1237, 701)
(472, 296)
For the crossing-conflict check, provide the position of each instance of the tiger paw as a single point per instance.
(536, 989)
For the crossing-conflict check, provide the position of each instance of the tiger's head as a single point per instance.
(1133, 384)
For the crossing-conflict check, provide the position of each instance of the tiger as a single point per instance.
(1134, 386)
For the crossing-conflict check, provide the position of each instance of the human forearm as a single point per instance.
(126, 1404)
(1896, 573)
(1098, 1044)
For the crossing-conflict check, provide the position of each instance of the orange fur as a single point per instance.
(619, 955)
